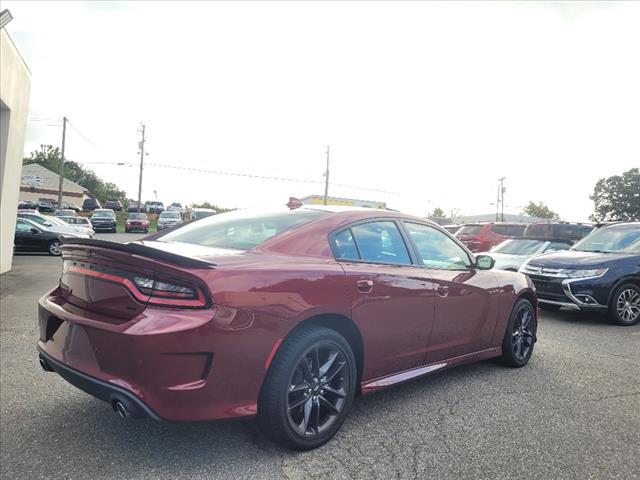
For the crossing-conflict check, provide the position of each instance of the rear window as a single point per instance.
(469, 230)
(240, 229)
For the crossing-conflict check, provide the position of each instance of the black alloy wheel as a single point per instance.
(309, 388)
(520, 335)
(318, 389)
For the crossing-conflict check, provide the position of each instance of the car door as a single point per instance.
(391, 304)
(25, 238)
(466, 298)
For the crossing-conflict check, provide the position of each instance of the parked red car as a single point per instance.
(283, 314)
(480, 237)
(137, 221)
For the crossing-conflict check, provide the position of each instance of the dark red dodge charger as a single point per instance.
(286, 315)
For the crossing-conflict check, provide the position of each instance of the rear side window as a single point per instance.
(381, 242)
(344, 246)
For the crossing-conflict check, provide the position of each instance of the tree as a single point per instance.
(49, 157)
(539, 210)
(617, 197)
(211, 206)
(437, 213)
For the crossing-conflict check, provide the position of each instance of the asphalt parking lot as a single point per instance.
(573, 412)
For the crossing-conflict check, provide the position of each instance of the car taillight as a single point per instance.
(151, 291)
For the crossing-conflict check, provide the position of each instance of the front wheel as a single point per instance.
(55, 248)
(309, 388)
(625, 305)
(520, 337)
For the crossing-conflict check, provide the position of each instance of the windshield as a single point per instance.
(170, 215)
(240, 229)
(203, 213)
(613, 239)
(468, 230)
(137, 216)
(102, 214)
(518, 247)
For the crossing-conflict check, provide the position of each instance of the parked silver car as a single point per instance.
(168, 219)
(54, 224)
(513, 253)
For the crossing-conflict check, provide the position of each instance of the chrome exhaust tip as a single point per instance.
(120, 409)
(45, 366)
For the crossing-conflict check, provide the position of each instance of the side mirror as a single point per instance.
(47, 224)
(484, 262)
(34, 230)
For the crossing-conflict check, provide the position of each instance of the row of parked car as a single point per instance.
(576, 266)
(156, 207)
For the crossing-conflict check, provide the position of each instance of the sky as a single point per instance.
(423, 105)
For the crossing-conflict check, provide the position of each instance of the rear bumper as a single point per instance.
(107, 392)
(180, 366)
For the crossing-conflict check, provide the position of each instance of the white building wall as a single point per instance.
(15, 84)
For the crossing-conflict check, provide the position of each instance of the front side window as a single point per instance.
(23, 226)
(381, 242)
(436, 249)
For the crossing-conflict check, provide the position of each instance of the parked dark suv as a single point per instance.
(601, 273)
(480, 237)
(104, 220)
(91, 204)
(114, 205)
(569, 231)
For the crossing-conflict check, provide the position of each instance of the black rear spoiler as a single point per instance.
(138, 249)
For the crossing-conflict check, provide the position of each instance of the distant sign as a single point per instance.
(32, 180)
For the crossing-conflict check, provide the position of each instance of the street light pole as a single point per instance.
(60, 184)
(500, 199)
(141, 166)
(326, 179)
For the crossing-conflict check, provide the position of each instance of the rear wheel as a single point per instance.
(309, 388)
(520, 337)
(55, 248)
(625, 305)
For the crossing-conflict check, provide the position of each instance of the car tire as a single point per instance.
(520, 335)
(550, 307)
(146, 230)
(624, 308)
(309, 388)
(55, 248)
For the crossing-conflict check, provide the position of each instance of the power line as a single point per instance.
(265, 177)
(83, 135)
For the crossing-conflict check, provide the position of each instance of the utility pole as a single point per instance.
(142, 131)
(501, 196)
(498, 204)
(64, 134)
(326, 179)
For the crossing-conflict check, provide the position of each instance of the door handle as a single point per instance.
(364, 286)
(442, 290)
